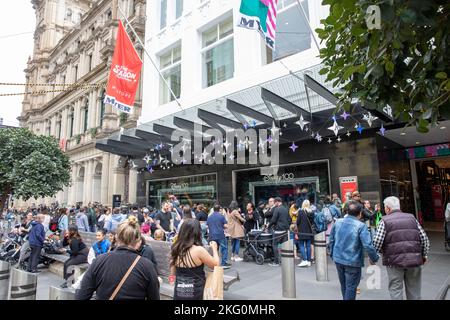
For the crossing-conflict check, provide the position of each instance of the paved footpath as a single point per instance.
(264, 282)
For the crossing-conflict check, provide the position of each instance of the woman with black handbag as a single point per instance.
(306, 231)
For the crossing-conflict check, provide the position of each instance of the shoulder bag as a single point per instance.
(125, 277)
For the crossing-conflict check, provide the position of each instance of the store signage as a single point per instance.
(428, 151)
(175, 186)
(286, 177)
(347, 184)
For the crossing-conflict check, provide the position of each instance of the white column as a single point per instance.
(87, 196)
(77, 118)
(73, 186)
(64, 123)
(132, 187)
(105, 199)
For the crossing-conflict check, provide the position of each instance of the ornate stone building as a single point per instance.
(74, 44)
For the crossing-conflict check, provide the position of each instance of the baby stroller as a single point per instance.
(258, 246)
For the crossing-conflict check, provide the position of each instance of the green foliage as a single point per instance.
(31, 165)
(123, 118)
(405, 64)
(93, 132)
(78, 138)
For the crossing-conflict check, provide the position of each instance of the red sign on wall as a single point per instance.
(347, 184)
(62, 144)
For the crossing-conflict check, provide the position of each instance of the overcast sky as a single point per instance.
(16, 16)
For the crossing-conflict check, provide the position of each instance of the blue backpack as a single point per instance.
(320, 221)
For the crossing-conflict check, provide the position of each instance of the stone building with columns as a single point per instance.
(74, 44)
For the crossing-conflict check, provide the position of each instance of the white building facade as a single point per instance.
(74, 44)
(204, 55)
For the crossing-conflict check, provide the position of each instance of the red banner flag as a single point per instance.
(124, 74)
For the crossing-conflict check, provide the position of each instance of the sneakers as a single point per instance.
(226, 266)
(232, 259)
(273, 264)
(304, 263)
(238, 259)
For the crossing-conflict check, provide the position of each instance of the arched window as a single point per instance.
(71, 122)
(86, 116)
(102, 107)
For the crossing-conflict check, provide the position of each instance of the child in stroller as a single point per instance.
(258, 246)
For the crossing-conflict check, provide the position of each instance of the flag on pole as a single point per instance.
(124, 74)
(260, 15)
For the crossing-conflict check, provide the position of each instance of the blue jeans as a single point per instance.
(349, 277)
(223, 244)
(235, 246)
(306, 254)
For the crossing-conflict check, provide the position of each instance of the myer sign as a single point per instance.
(286, 177)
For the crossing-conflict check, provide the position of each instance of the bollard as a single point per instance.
(23, 285)
(56, 293)
(288, 269)
(4, 279)
(320, 254)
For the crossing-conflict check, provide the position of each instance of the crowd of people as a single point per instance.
(351, 227)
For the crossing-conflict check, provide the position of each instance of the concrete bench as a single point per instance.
(89, 240)
(161, 251)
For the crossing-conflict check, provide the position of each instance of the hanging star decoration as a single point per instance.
(253, 124)
(293, 147)
(359, 128)
(226, 144)
(318, 137)
(313, 134)
(285, 125)
(339, 139)
(329, 141)
(348, 134)
(302, 122)
(369, 118)
(245, 126)
(247, 143)
(345, 115)
(270, 140)
(382, 130)
(147, 158)
(274, 128)
(335, 127)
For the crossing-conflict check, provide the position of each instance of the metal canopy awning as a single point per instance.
(280, 101)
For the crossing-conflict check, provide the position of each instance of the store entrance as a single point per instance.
(432, 190)
(287, 191)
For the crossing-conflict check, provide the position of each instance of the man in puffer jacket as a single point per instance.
(36, 239)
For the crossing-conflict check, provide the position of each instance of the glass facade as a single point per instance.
(199, 189)
(170, 65)
(288, 184)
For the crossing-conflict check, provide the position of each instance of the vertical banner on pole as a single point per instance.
(124, 74)
(347, 184)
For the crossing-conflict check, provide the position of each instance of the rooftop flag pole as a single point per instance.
(148, 55)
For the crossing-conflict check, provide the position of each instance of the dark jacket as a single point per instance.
(107, 271)
(251, 221)
(304, 224)
(36, 236)
(401, 246)
(76, 247)
(281, 219)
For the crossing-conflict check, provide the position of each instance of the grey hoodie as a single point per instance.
(82, 222)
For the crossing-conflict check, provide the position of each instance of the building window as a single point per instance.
(58, 130)
(90, 62)
(86, 116)
(170, 65)
(71, 122)
(102, 107)
(75, 71)
(163, 15)
(178, 8)
(218, 53)
(292, 34)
